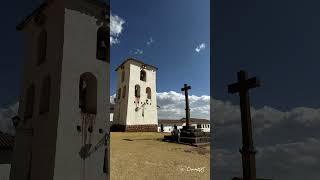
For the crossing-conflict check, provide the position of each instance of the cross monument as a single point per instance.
(185, 89)
(248, 153)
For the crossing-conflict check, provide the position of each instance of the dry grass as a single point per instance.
(140, 156)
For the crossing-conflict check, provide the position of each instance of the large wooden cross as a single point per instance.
(248, 153)
(185, 89)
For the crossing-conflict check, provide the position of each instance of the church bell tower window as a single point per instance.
(148, 91)
(42, 46)
(102, 44)
(143, 76)
(45, 95)
(124, 92)
(119, 93)
(88, 93)
(137, 91)
(122, 76)
(29, 102)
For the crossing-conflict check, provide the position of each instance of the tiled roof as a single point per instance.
(6, 141)
(135, 60)
(183, 120)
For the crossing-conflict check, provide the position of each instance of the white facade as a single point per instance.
(130, 109)
(48, 143)
(169, 127)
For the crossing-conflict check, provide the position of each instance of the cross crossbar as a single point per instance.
(243, 83)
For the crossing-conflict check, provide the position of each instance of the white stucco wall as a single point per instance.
(71, 51)
(44, 125)
(125, 113)
(120, 111)
(79, 56)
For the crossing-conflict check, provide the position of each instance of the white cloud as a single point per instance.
(286, 141)
(200, 47)
(116, 28)
(150, 41)
(172, 105)
(137, 51)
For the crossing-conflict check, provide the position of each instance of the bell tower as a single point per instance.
(136, 101)
(64, 101)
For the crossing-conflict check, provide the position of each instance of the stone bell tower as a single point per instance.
(136, 101)
(64, 101)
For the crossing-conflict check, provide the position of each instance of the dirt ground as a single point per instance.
(143, 156)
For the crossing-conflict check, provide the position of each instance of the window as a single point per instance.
(42, 46)
(137, 91)
(198, 125)
(143, 75)
(88, 93)
(103, 44)
(124, 92)
(148, 91)
(29, 102)
(122, 76)
(119, 93)
(45, 95)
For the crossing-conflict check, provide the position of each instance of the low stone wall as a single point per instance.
(134, 128)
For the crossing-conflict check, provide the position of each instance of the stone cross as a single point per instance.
(185, 89)
(248, 153)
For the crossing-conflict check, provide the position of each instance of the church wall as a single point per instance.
(54, 140)
(150, 112)
(44, 134)
(79, 56)
(125, 117)
(42, 158)
(121, 110)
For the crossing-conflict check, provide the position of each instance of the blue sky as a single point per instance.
(277, 41)
(176, 29)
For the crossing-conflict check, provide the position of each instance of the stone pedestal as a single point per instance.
(190, 135)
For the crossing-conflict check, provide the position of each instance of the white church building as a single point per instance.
(64, 96)
(136, 101)
(135, 108)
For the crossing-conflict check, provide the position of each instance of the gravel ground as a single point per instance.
(140, 156)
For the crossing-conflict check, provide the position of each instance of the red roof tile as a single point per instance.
(6, 141)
